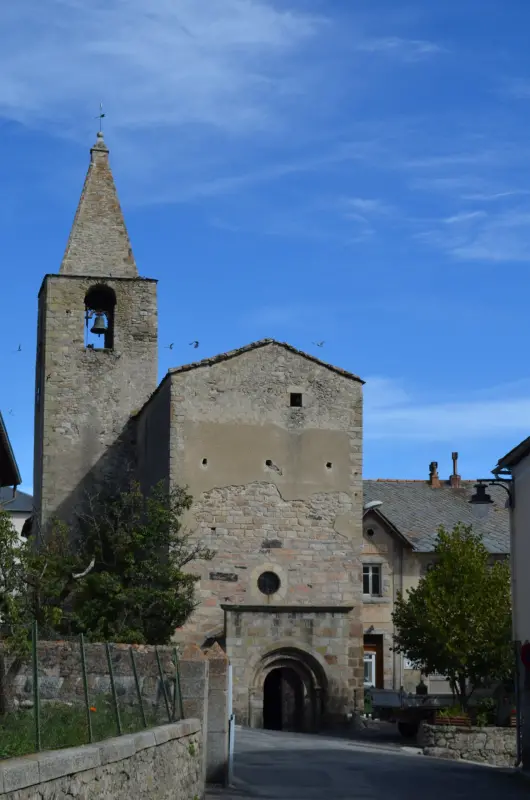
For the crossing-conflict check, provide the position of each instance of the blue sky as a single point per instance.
(353, 171)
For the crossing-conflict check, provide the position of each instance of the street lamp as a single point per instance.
(481, 498)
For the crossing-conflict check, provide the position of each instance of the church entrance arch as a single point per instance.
(289, 692)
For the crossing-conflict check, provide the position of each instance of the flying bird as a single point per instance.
(170, 346)
(19, 349)
(195, 344)
(320, 344)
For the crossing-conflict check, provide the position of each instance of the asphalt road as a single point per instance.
(281, 766)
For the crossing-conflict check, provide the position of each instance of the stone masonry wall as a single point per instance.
(85, 396)
(276, 488)
(488, 745)
(327, 648)
(163, 763)
(60, 674)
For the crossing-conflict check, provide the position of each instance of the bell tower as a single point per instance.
(96, 353)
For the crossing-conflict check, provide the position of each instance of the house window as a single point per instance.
(372, 579)
(296, 400)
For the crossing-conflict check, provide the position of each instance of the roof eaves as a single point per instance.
(12, 472)
(514, 456)
(208, 362)
(392, 528)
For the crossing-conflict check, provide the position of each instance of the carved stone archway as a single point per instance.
(300, 686)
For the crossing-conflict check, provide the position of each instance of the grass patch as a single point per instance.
(66, 726)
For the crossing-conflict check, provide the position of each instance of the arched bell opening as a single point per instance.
(100, 302)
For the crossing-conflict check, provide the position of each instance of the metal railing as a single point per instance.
(168, 687)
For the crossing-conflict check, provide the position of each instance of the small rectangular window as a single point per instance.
(296, 400)
(372, 579)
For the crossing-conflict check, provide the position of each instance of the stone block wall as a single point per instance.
(60, 674)
(488, 745)
(164, 763)
(320, 644)
(85, 397)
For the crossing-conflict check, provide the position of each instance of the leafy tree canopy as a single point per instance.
(123, 577)
(457, 621)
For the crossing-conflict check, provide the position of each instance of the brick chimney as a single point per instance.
(434, 478)
(455, 479)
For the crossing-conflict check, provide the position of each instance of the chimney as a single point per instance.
(455, 480)
(434, 478)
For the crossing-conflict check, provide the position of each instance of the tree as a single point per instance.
(457, 621)
(138, 589)
(34, 583)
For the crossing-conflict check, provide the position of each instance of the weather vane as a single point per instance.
(100, 117)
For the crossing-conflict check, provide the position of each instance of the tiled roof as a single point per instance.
(208, 362)
(417, 510)
(21, 502)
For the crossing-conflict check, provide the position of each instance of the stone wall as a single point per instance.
(319, 644)
(488, 745)
(276, 488)
(60, 674)
(163, 763)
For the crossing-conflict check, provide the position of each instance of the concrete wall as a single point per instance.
(163, 763)
(86, 396)
(488, 745)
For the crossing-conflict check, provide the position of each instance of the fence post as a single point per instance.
(138, 689)
(36, 693)
(113, 688)
(178, 687)
(85, 686)
(163, 681)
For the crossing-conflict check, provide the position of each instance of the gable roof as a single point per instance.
(9, 472)
(208, 362)
(515, 455)
(21, 503)
(417, 510)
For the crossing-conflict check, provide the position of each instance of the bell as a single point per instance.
(99, 325)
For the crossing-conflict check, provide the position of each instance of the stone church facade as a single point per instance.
(267, 438)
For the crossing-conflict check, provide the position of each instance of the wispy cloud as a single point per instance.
(392, 413)
(464, 217)
(161, 63)
(368, 206)
(487, 197)
(404, 49)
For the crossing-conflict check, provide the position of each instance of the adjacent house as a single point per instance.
(9, 472)
(19, 506)
(399, 537)
(515, 467)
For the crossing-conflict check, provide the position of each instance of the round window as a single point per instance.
(268, 583)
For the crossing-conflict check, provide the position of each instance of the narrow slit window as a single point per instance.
(296, 400)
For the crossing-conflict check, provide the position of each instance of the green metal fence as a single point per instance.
(141, 688)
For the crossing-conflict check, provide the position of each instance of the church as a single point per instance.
(268, 440)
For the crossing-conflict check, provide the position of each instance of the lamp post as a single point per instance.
(481, 497)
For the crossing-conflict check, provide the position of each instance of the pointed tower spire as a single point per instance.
(99, 243)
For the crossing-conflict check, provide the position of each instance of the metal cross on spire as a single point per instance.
(100, 117)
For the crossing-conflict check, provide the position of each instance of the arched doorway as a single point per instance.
(283, 700)
(288, 692)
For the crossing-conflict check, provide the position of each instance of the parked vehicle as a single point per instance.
(409, 710)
